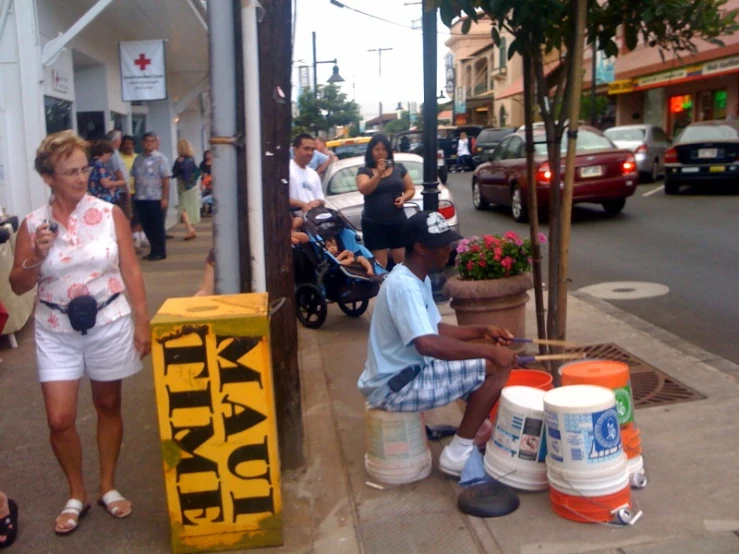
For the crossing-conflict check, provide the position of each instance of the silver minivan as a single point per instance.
(647, 142)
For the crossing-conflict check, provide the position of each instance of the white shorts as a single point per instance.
(105, 353)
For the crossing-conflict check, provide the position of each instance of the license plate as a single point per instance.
(717, 168)
(592, 171)
(707, 152)
(691, 169)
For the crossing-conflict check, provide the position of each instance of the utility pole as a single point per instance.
(379, 54)
(274, 91)
(594, 83)
(430, 117)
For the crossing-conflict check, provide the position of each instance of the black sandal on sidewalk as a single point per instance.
(9, 525)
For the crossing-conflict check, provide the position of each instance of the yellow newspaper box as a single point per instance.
(213, 379)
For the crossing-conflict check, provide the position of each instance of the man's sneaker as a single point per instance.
(452, 461)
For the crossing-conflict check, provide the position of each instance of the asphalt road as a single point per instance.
(688, 242)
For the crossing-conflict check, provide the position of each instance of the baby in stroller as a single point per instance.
(348, 258)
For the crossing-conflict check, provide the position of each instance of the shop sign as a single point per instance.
(605, 68)
(721, 66)
(59, 81)
(665, 77)
(143, 70)
(460, 101)
(621, 87)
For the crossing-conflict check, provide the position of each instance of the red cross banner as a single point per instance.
(143, 70)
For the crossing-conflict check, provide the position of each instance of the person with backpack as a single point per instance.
(186, 172)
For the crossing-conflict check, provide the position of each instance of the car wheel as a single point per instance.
(443, 174)
(477, 200)
(612, 207)
(671, 188)
(518, 205)
(654, 177)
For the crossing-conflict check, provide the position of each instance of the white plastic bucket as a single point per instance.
(397, 450)
(582, 429)
(515, 454)
(599, 481)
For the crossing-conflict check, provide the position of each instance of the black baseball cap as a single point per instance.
(429, 229)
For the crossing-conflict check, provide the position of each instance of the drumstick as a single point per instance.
(550, 342)
(544, 357)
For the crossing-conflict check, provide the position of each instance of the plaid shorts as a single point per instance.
(436, 385)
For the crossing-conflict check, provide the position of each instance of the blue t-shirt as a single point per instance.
(317, 160)
(404, 311)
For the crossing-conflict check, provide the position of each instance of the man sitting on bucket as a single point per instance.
(415, 362)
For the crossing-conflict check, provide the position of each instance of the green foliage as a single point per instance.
(330, 109)
(586, 103)
(398, 125)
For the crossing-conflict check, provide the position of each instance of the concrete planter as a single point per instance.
(499, 302)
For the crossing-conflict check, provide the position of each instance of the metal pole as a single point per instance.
(594, 84)
(223, 131)
(430, 117)
(255, 203)
(315, 65)
(379, 53)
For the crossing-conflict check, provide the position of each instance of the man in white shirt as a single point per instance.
(464, 157)
(305, 184)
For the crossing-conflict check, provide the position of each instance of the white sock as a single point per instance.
(459, 445)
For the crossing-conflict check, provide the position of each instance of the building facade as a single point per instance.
(59, 69)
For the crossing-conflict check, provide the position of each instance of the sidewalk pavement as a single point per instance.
(690, 504)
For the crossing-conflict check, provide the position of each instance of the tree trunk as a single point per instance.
(274, 71)
(575, 90)
(528, 103)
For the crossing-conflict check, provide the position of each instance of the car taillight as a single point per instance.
(629, 166)
(446, 209)
(544, 174)
(641, 150)
(671, 155)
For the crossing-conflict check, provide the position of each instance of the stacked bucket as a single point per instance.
(579, 440)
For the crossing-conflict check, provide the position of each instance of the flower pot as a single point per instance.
(499, 302)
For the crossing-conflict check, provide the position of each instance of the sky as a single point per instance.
(347, 35)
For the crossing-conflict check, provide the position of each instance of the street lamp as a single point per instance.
(335, 77)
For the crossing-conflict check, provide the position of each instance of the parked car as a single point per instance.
(348, 148)
(647, 142)
(411, 142)
(604, 174)
(486, 142)
(340, 188)
(705, 152)
(449, 137)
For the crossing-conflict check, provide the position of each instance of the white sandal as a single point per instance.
(72, 507)
(109, 498)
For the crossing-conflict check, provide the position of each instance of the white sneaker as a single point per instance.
(137, 242)
(144, 241)
(452, 460)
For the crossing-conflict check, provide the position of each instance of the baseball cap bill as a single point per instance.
(429, 229)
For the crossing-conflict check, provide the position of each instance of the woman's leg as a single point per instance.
(60, 399)
(106, 396)
(188, 224)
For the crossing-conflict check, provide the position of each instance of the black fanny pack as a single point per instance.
(82, 311)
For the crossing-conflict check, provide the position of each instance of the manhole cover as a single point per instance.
(649, 385)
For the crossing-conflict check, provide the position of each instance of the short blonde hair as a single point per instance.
(56, 146)
(184, 148)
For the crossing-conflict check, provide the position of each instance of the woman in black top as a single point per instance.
(386, 188)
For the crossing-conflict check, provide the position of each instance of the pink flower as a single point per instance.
(482, 263)
(507, 263)
(489, 241)
(463, 246)
(76, 290)
(511, 236)
(498, 253)
(92, 217)
(475, 248)
(542, 238)
(114, 285)
(470, 266)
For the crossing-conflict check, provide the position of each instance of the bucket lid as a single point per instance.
(580, 397)
(607, 373)
(528, 397)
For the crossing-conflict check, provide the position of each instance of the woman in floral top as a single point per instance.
(78, 245)
(102, 183)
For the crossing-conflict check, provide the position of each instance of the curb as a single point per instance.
(685, 347)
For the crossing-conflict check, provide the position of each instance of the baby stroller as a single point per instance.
(320, 278)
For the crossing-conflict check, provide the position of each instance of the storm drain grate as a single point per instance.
(649, 386)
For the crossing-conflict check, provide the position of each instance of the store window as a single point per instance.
(138, 124)
(58, 114)
(681, 113)
(719, 104)
(503, 53)
(117, 120)
(91, 125)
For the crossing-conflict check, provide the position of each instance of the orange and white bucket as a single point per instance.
(586, 464)
(525, 378)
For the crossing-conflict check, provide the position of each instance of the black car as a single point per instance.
(449, 137)
(411, 142)
(487, 140)
(705, 152)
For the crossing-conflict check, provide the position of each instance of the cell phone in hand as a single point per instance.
(388, 164)
(53, 226)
